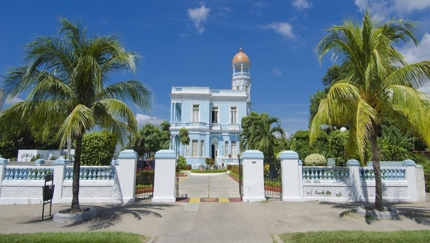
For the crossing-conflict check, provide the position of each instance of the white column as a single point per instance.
(410, 174)
(164, 177)
(253, 176)
(292, 181)
(59, 170)
(355, 182)
(126, 174)
(3, 163)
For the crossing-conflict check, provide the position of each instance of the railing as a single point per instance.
(367, 173)
(27, 173)
(325, 173)
(190, 124)
(240, 74)
(92, 173)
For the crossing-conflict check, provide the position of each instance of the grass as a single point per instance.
(358, 236)
(89, 237)
(208, 171)
(276, 183)
(234, 175)
(140, 186)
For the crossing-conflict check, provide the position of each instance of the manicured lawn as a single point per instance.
(84, 237)
(358, 236)
(209, 171)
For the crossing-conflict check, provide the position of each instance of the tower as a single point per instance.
(241, 76)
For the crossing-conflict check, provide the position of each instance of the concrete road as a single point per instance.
(209, 186)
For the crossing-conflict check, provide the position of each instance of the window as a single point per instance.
(233, 150)
(187, 151)
(214, 114)
(237, 87)
(196, 111)
(226, 149)
(202, 148)
(194, 144)
(233, 115)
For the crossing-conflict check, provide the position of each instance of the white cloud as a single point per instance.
(12, 100)
(199, 15)
(301, 4)
(282, 28)
(415, 54)
(386, 7)
(260, 5)
(144, 119)
(276, 72)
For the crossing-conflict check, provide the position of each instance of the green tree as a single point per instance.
(333, 74)
(184, 137)
(98, 148)
(261, 132)
(299, 142)
(151, 138)
(67, 79)
(381, 83)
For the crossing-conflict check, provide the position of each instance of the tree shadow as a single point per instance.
(110, 215)
(418, 214)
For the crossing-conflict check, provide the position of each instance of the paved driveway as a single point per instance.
(209, 186)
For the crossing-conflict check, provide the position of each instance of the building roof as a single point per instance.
(241, 57)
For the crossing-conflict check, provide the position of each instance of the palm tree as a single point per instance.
(67, 80)
(261, 132)
(379, 83)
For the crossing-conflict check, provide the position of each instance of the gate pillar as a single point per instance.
(126, 171)
(253, 176)
(292, 183)
(164, 176)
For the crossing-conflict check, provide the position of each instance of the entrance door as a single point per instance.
(213, 152)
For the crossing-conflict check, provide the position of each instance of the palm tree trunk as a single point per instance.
(76, 174)
(376, 169)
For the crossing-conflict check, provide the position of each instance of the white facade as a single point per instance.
(212, 116)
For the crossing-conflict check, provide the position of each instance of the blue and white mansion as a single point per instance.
(212, 116)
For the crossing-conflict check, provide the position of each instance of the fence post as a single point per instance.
(59, 170)
(164, 176)
(292, 181)
(410, 171)
(3, 163)
(355, 182)
(253, 176)
(126, 172)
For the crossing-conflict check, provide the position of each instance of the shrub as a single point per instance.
(209, 161)
(315, 160)
(35, 158)
(145, 177)
(182, 162)
(188, 167)
(98, 148)
(234, 168)
(229, 167)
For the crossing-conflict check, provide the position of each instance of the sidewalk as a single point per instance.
(214, 222)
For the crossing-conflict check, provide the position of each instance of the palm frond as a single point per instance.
(133, 91)
(76, 123)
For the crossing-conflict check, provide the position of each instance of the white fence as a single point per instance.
(401, 181)
(115, 183)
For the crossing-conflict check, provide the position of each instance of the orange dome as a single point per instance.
(240, 57)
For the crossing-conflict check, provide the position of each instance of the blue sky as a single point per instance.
(192, 43)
